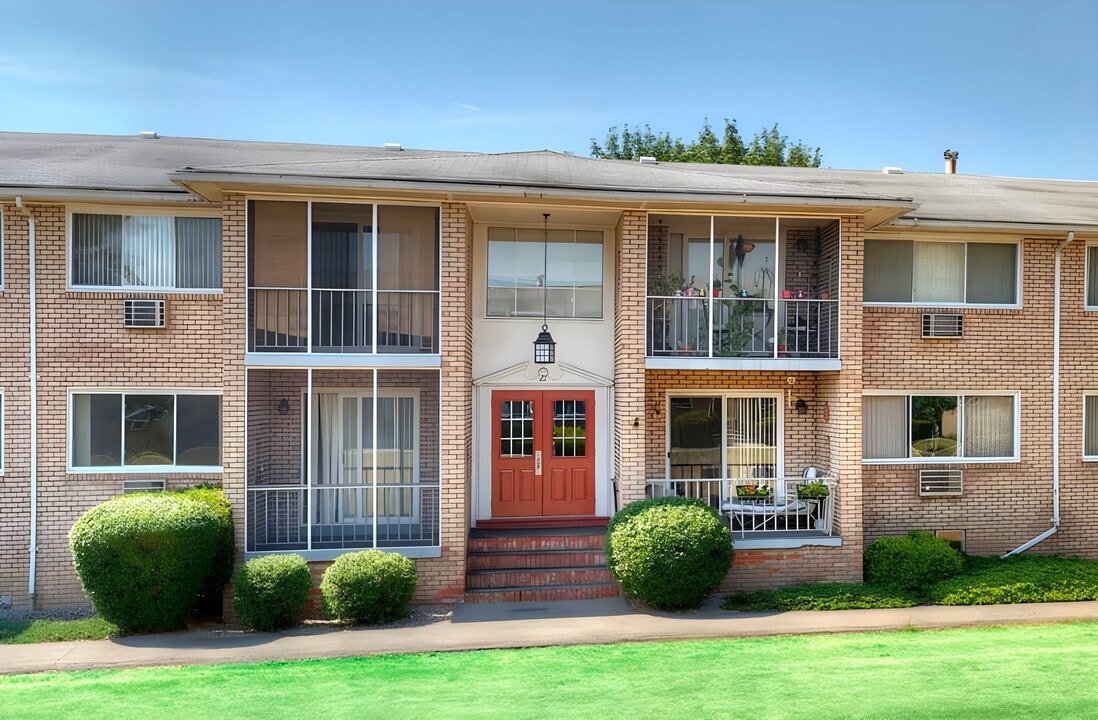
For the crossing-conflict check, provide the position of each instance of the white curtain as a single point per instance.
(148, 251)
(884, 428)
(989, 426)
(329, 464)
(939, 274)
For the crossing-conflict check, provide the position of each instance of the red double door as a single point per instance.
(543, 457)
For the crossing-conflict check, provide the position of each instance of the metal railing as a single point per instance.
(342, 517)
(742, 327)
(761, 505)
(343, 321)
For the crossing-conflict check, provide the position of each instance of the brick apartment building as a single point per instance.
(343, 338)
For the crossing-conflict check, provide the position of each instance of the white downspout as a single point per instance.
(32, 291)
(1055, 409)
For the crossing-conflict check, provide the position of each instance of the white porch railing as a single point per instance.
(342, 517)
(761, 505)
(742, 327)
(343, 321)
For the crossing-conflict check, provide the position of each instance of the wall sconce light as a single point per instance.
(636, 422)
(283, 407)
(802, 407)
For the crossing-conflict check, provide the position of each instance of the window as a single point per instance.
(524, 272)
(1, 433)
(724, 436)
(146, 252)
(941, 273)
(1, 250)
(1092, 277)
(153, 430)
(939, 428)
(1090, 427)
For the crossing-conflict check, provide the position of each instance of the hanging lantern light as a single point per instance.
(545, 348)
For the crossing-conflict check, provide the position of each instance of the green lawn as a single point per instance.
(15, 632)
(1043, 672)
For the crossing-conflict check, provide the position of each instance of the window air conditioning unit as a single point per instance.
(943, 325)
(145, 313)
(133, 486)
(936, 483)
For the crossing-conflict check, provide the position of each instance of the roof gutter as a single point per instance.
(1049, 228)
(130, 196)
(1055, 409)
(33, 301)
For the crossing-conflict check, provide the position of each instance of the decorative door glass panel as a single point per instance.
(569, 428)
(516, 432)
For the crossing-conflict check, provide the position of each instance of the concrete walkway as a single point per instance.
(509, 625)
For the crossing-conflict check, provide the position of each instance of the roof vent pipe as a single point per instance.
(951, 161)
(148, 135)
(648, 160)
(393, 146)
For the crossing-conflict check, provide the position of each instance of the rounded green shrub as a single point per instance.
(911, 563)
(369, 586)
(270, 592)
(636, 508)
(670, 555)
(143, 559)
(209, 601)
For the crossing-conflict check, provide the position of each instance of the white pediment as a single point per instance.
(530, 373)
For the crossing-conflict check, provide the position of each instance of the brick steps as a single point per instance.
(542, 565)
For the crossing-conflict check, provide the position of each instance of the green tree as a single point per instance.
(767, 147)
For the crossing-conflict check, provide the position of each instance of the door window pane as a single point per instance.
(569, 428)
(516, 431)
(752, 437)
(695, 443)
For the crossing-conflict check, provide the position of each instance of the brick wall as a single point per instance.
(629, 375)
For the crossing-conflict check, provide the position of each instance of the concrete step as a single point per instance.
(544, 594)
(537, 578)
(535, 543)
(541, 559)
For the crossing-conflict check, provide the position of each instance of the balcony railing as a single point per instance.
(742, 327)
(342, 517)
(343, 321)
(779, 507)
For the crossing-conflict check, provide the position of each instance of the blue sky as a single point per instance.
(1011, 85)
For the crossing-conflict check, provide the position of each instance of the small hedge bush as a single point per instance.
(671, 555)
(270, 592)
(636, 508)
(369, 586)
(144, 559)
(911, 563)
(209, 601)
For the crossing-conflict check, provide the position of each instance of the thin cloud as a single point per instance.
(474, 108)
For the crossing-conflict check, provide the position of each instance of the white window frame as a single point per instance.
(122, 210)
(3, 266)
(1087, 394)
(604, 287)
(725, 395)
(3, 430)
(1019, 265)
(138, 469)
(1086, 278)
(957, 459)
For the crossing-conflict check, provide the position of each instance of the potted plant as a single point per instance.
(812, 490)
(758, 492)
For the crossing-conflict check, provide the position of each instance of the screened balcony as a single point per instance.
(343, 278)
(743, 289)
(342, 460)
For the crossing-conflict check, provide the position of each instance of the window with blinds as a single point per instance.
(940, 428)
(940, 273)
(144, 252)
(1090, 427)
